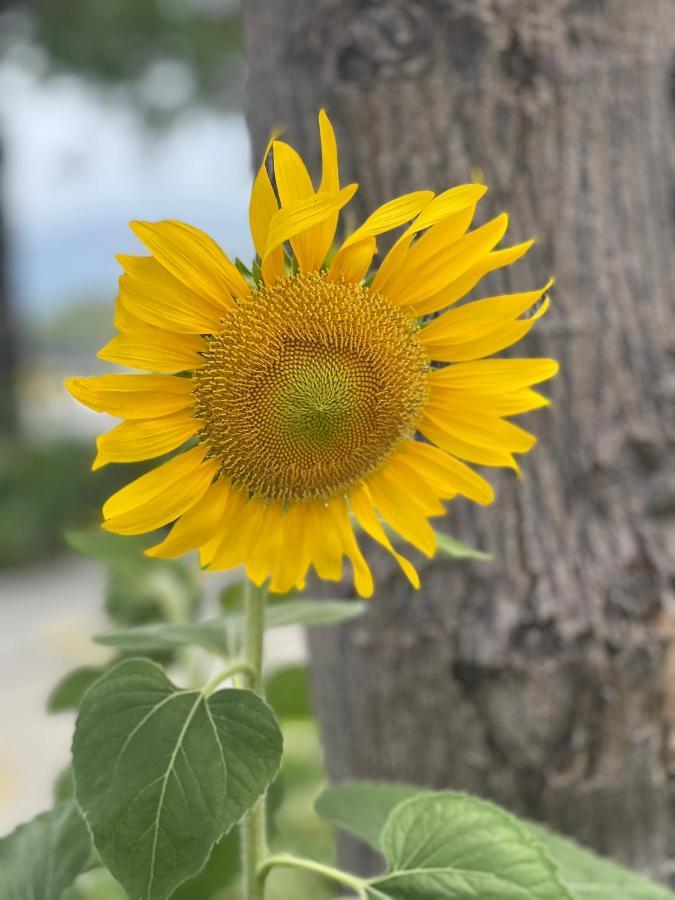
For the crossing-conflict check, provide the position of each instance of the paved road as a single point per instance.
(47, 618)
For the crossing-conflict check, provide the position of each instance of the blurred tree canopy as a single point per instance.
(166, 54)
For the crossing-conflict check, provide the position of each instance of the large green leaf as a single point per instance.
(43, 857)
(162, 773)
(362, 807)
(312, 612)
(591, 877)
(459, 847)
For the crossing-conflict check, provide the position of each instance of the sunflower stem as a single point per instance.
(254, 824)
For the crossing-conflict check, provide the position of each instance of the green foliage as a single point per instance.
(287, 692)
(138, 588)
(452, 845)
(46, 488)
(96, 884)
(221, 635)
(162, 773)
(454, 549)
(590, 877)
(121, 41)
(460, 847)
(44, 856)
(312, 612)
(213, 635)
(362, 808)
(68, 693)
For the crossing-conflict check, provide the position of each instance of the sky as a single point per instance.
(81, 165)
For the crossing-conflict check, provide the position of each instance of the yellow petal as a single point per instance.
(390, 215)
(236, 502)
(424, 491)
(139, 439)
(429, 272)
(453, 208)
(402, 513)
(353, 262)
(262, 209)
(133, 396)
(241, 536)
(163, 352)
(326, 544)
(194, 259)
(291, 175)
(321, 237)
(197, 526)
(339, 515)
(447, 205)
(263, 554)
(304, 215)
(160, 496)
(448, 475)
(469, 279)
(491, 403)
(295, 187)
(482, 456)
(152, 294)
(356, 253)
(294, 549)
(480, 430)
(501, 375)
(362, 507)
(484, 346)
(330, 178)
(477, 319)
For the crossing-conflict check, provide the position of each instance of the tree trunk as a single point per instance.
(545, 679)
(8, 410)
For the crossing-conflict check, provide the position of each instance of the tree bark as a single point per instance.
(8, 408)
(545, 679)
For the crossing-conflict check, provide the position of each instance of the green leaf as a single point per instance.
(96, 884)
(591, 877)
(287, 692)
(222, 869)
(312, 612)
(162, 773)
(231, 598)
(214, 635)
(43, 857)
(68, 693)
(449, 546)
(455, 846)
(219, 634)
(113, 549)
(362, 807)
(64, 785)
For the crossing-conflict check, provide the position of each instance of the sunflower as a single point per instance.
(313, 395)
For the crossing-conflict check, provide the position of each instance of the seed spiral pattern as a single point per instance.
(309, 387)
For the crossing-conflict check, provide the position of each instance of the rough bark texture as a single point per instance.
(8, 412)
(546, 679)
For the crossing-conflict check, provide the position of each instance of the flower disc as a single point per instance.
(309, 387)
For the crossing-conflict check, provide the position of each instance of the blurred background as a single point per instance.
(544, 679)
(108, 112)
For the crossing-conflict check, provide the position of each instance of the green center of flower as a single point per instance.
(309, 387)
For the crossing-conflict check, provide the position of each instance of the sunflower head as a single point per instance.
(309, 386)
(318, 395)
